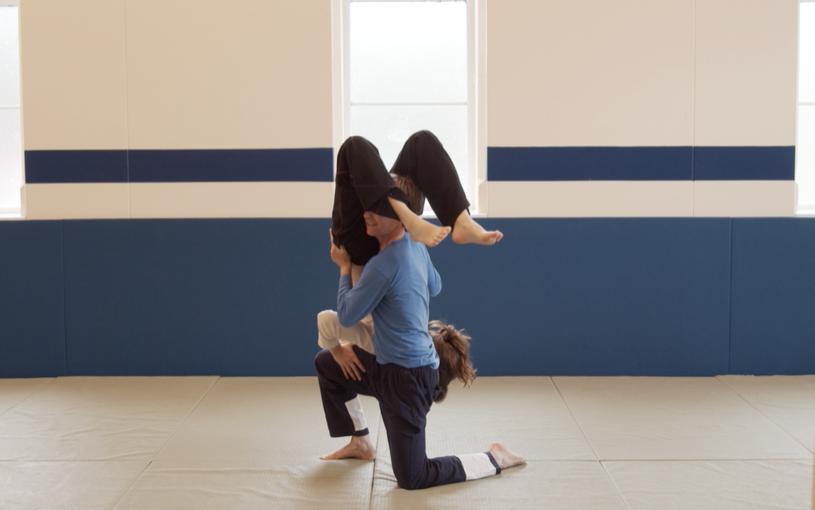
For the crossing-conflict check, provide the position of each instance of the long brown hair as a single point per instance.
(453, 347)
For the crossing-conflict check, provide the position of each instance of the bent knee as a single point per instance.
(411, 483)
(326, 316)
(426, 137)
(321, 360)
(355, 141)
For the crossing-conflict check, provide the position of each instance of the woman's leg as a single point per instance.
(361, 185)
(364, 184)
(424, 161)
(330, 333)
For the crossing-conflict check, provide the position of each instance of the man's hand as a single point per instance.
(349, 363)
(340, 256)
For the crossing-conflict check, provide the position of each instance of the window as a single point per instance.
(805, 148)
(404, 66)
(11, 148)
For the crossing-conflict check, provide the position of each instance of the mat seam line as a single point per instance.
(28, 396)
(597, 457)
(619, 495)
(217, 378)
(603, 466)
(765, 417)
(149, 463)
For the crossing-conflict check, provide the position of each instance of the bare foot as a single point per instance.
(468, 231)
(421, 231)
(360, 447)
(504, 457)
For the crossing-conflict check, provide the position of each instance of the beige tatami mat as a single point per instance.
(265, 421)
(74, 485)
(307, 484)
(649, 418)
(96, 418)
(787, 400)
(14, 391)
(719, 485)
(525, 413)
(551, 485)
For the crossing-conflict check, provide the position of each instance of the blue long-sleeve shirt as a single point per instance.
(395, 288)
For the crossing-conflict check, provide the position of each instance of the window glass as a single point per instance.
(11, 161)
(408, 72)
(805, 158)
(408, 52)
(9, 58)
(389, 128)
(806, 54)
(805, 148)
(11, 157)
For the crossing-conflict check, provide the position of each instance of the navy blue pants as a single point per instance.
(405, 396)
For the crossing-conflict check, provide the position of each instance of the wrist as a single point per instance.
(345, 270)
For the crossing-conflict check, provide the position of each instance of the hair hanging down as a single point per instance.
(453, 347)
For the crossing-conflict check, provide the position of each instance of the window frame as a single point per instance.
(475, 186)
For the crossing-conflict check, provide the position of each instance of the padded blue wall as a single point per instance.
(773, 296)
(195, 297)
(592, 296)
(32, 321)
(611, 296)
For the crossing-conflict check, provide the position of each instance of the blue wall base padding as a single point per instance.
(239, 297)
(32, 322)
(196, 297)
(773, 296)
(592, 296)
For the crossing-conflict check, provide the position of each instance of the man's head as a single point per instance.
(380, 226)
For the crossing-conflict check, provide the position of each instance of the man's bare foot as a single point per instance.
(360, 447)
(421, 231)
(466, 230)
(504, 457)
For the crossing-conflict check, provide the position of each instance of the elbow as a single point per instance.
(342, 318)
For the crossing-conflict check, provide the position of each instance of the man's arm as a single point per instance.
(355, 303)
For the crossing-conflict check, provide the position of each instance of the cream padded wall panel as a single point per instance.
(73, 74)
(232, 200)
(746, 72)
(205, 74)
(575, 199)
(76, 201)
(743, 198)
(592, 73)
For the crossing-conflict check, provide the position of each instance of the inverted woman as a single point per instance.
(422, 169)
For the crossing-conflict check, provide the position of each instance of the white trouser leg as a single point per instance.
(478, 465)
(330, 332)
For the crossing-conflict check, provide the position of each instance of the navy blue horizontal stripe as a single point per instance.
(744, 163)
(75, 166)
(233, 165)
(589, 163)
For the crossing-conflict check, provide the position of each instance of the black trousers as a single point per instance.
(405, 396)
(363, 184)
